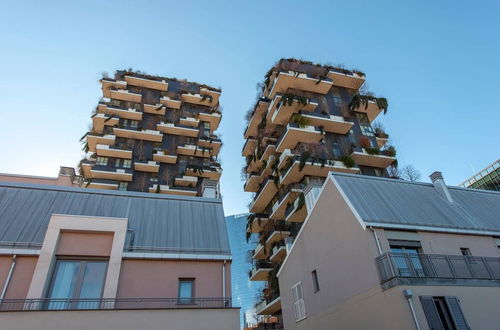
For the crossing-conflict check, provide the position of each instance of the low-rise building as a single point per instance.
(66, 177)
(376, 253)
(75, 258)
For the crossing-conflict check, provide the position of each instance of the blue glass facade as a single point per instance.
(244, 291)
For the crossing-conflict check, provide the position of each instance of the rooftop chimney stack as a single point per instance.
(440, 185)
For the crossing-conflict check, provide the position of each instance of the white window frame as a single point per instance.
(299, 306)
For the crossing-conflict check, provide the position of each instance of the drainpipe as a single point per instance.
(408, 294)
(224, 280)
(9, 275)
(376, 240)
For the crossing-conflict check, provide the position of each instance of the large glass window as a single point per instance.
(101, 161)
(407, 261)
(127, 163)
(186, 291)
(77, 284)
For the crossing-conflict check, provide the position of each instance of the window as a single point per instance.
(367, 130)
(117, 162)
(127, 163)
(154, 178)
(352, 138)
(116, 103)
(315, 281)
(337, 100)
(363, 118)
(406, 257)
(298, 302)
(378, 172)
(122, 186)
(134, 123)
(77, 279)
(186, 291)
(336, 150)
(443, 313)
(102, 161)
(206, 129)
(465, 251)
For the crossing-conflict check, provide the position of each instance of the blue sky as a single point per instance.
(436, 62)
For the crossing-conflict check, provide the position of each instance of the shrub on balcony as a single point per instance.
(389, 151)
(372, 151)
(364, 142)
(300, 120)
(380, 133)
(359, 100)
(289, 98)
(347, 160)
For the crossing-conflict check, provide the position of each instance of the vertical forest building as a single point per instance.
(154, 134)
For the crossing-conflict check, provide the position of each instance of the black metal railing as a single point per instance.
(7, 305)
(437, 266)
(259, 264)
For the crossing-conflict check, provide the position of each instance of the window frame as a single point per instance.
(102, 163)
(315, 281)
(189, 300)
(298, 302)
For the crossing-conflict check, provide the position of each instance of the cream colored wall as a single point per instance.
(62, 180)
(85, 244)
(21, 277)
(174, 319)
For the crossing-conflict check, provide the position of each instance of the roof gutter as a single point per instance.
(433, 229)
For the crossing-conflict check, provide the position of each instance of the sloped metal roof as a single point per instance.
(398, 202)
(155, 222)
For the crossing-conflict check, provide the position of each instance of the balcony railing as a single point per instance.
(8, 305)
(437, 266)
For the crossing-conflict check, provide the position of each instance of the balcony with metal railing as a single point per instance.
(260, 270)
(435, 269)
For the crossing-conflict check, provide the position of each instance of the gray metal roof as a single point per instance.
(156, 222)
(398, 202)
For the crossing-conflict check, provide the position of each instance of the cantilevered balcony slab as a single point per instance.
(107, 84)
(330, 123)
(146, 135)
(277, 234)
(293, 173)
(371, 110)
(263, 197)
(254, 166)
(278, 253)
(214, 94)
(269, 308)
(160, 85)
(279, 207)
(155, 109)
(269, 151)
(346, 79)
(249, 147)
(213, 118)
(171, 103)
(296, 211)
(198, 99)
(213, 173)
(280, 113)
(166, 189)
(94, 140)
(170, 128)
(301, 81)
(111, 174)
(164, 157)
(148, 166)
(212, 143)
(120, 112)
(260, 109)
(103, 184)
(365, 159)
(258, 224)
(110, 151)
(186, 181)
(260, 272)
(99, 120)
(253, 182)
(189, 121)
(260, 252)
(295, 134)
(125, 95)
(193, 150)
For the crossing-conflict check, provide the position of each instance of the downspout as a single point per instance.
(408, 294)
(9, 275)
(377, 241)
(224, 281)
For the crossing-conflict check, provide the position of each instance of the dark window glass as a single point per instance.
(315, 281)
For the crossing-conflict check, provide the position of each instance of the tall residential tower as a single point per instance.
(154, 134)
(309, 120)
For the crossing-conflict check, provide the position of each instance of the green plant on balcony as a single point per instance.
(347, 160)
(158, 188)
(300, 120)
(288, 99)
(372, 151)
(208, 97)
(360, 100)
(379, 132)
(303, 159)
(389, 151)
(196, 168)
(320, 79)
(364, 142)
(302, 201)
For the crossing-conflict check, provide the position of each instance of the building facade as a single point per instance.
(377, 253)
(66, 177)
(154, 134)
(309, 120)
(244, 292)
(74, 258)
(488, 178)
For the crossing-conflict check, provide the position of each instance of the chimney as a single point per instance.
(440, 185)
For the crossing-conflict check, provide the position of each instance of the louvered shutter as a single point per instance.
(456, 313)
(431, 313)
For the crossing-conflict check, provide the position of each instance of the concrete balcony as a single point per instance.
(279, 207)
(278, 233)
(260, 252)
(166, 189)
(214, 94)
(260, 108)
(193, 150)
(109, 151)
(94, 140)
(186, 181)
(98, 172)
(269, 306)
(278, 253)
(253, 182)
(280, 110)
(149, 166)
(268, 152)
(209, 172)
(293, 173)
(254, 166)
(170, 103)
(212, 143)
(158, 109)
(129, 113)
(160, 85)
(103, 184)
(198, 99)
(297, 80)
(371, 110)
(100, 120)
(381, 141)
(189, 121)
(264, 196)
(297, 211)
(125, 95)
(260, 271)
(374, 160)
(258, 224)
(347, 79)
(249, 147)
(295, 134)
(107, 84)
(174, 129)
(213, 118)
(164, 157)
(267, 170)
(146, 135)
(330, 123)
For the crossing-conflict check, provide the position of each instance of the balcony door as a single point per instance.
(77, 284)
(407, 261)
